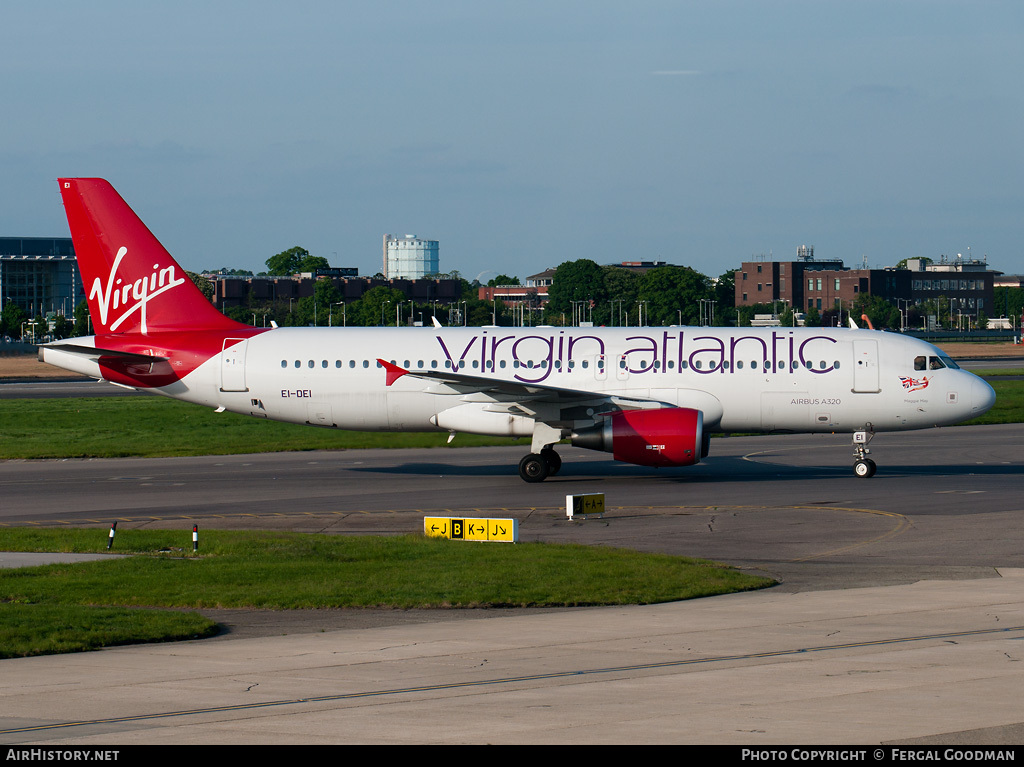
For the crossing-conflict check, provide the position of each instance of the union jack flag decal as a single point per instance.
(914, 384)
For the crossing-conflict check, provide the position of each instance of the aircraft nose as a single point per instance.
(983, 397)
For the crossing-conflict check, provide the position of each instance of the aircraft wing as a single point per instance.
(517, 396)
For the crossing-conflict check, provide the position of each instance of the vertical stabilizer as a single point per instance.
(132, 283)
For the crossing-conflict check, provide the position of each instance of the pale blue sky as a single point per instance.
(525, 134)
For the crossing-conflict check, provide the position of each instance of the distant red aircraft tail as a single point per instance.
(132, 283)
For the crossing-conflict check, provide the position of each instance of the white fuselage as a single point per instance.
(746, 379)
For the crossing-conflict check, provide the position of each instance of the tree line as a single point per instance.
(581, 291)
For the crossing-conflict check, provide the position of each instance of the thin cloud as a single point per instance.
(676, 72)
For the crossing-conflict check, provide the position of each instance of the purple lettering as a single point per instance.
(456, 365)
(716, 363)
(495, 343)
(735, 341)
(549, 343)
(652, 348)
(803, 360)
(574, 340)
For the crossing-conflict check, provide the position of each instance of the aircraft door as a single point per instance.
(232, 364)
(865, 367)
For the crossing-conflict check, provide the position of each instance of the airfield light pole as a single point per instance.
(903, 319)
(707, 312)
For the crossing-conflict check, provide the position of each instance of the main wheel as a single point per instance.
(554, 461)
(864, 468)
(533, 468)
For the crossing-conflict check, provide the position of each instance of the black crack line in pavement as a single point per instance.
(509, 680)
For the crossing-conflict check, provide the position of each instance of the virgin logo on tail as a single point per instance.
(116, 295)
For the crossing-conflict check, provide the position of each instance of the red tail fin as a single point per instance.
(132, 283)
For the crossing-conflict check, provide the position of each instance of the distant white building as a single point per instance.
(410, 257)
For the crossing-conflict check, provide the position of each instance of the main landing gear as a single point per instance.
(536, 467)
(863, 466)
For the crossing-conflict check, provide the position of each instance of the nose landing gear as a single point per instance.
(863, 466)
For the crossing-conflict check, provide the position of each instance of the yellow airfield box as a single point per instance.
(584, 504)
(501, 530)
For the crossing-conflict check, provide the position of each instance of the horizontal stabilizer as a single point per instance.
(93, 353)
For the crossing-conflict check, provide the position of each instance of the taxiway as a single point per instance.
(897, 618)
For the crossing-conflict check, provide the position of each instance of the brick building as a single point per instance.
(823, 284)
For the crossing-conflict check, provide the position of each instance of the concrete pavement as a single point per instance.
(933, 662)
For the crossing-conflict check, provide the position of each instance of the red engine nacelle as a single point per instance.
(671, 436)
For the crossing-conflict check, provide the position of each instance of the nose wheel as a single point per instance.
(863, 466)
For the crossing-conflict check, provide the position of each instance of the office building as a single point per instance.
(40, 275)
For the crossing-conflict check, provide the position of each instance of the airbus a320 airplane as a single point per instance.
(650, 396)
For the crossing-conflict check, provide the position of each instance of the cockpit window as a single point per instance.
(919, 362)
(948, 362)
(934, 363)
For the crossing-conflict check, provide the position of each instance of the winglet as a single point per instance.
(393, 372)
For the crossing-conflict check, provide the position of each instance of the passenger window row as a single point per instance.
(529, 364)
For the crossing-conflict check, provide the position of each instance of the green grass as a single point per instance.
(113, 427)
(998, 372)
(291, 571)
(1009, 407)
(34, 629)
